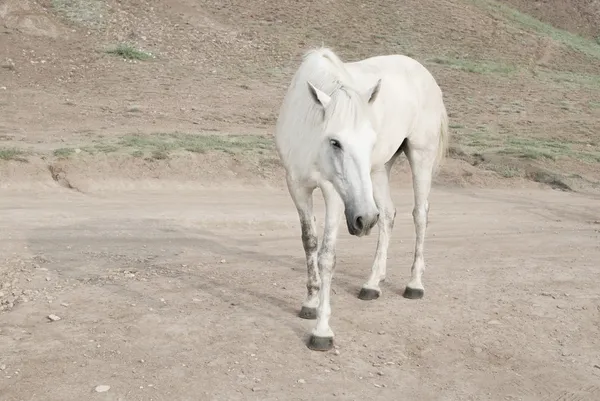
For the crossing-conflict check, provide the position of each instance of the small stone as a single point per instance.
(337, 352)
(102, 388)
(380, 373)
(301, 381)
(381, 332)
(48, 279)
(2, 367)
(64, 304)
(223, 261)
(494, 322)
(377, 385)
(597, 366)
(53, 318)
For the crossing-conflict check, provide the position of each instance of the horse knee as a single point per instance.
(419, 213)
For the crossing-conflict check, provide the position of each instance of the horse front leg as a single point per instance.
(322, 335)
(303, 199)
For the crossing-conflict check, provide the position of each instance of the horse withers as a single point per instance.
(340, 128)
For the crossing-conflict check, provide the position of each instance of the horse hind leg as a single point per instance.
(387, 212)
(421, 160)
(303, 199)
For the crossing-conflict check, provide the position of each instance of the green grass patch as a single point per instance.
(504, 171)
(13, 154)
(573, 41)
(569, 78)
(63, 152)
(88, 13)
(474, 66)
(129, 52)
(483, 140)
(161, 145)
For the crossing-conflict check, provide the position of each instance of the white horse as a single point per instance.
(340, 128)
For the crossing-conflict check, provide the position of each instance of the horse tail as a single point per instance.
(444, 138)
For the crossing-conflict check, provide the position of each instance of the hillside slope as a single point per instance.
(519, 92)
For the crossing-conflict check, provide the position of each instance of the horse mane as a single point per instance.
(324, 69)
(332, 73)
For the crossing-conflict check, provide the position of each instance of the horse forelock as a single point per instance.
(346, 111)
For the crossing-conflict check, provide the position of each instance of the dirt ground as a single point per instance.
(192, 293)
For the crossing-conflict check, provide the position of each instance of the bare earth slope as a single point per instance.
(222, 67)
(578, 16)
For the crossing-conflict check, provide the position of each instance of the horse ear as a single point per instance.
(318, 96)
(374, 91)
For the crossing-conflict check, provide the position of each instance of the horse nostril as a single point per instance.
(359, 223)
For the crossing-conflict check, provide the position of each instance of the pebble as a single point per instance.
(301, 381)
(494, 322)
(223, 261)
(2, 367)
(337, 352)
(597, 366)
(53, 318)
(102, 388)
(64, 304)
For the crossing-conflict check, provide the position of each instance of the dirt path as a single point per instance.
(193, 295)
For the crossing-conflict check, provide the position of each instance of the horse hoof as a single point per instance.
(368, 294)
(320, 343)
(308, 313)
(413, 293)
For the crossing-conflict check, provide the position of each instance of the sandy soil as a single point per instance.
(192, 294)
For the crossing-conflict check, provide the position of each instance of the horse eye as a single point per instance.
(335, 143)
